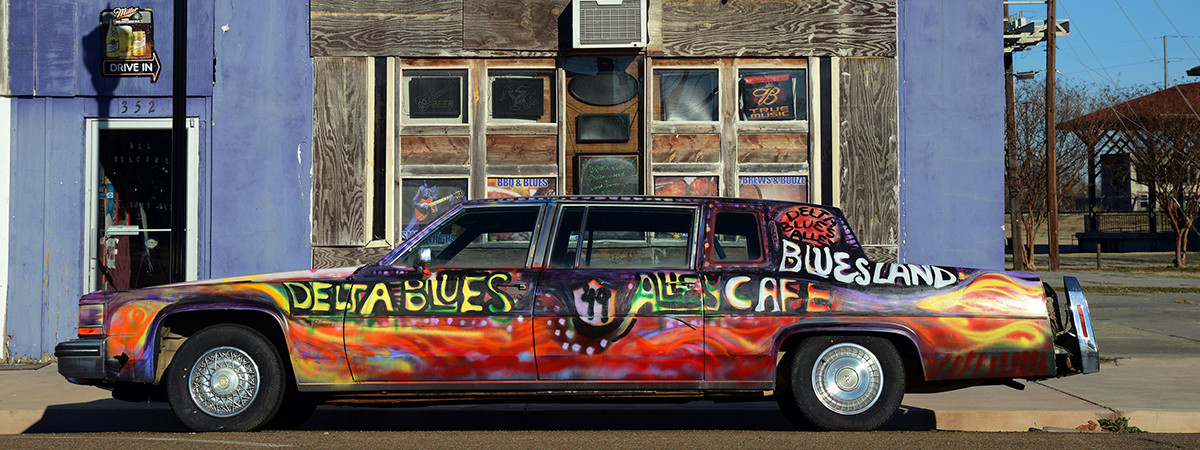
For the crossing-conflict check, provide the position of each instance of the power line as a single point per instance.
(1134, 25)
(1090, 49)
(1185, 42)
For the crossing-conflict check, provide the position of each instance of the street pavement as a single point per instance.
(1149, 345)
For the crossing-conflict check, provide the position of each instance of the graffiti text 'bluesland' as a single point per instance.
(827, 263)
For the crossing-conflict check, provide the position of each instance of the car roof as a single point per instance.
(625, 199)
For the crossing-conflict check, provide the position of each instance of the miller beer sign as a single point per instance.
(129, 43)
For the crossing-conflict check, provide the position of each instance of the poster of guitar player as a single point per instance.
(424, 199)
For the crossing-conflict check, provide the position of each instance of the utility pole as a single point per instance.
(1010, 139)
(179, 139)
(1051, 137)
(1166, 79)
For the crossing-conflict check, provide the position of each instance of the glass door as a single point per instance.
(134, 208)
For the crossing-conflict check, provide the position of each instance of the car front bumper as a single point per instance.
(81, 361)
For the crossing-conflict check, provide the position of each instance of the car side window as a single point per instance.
(614, 237)
(483, 238)
(736, 238)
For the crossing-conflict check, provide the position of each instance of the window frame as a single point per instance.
(657, 95)
(556, 229)
(764, 239)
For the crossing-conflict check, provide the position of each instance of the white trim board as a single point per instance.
(5, 185)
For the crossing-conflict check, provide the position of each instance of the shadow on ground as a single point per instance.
(116, 416)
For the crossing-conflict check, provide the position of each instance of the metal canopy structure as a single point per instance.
(1115, 129)
(1021, 34)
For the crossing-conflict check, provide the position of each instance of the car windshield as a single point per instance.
(481, 238)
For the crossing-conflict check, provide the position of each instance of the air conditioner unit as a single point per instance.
(608, 23)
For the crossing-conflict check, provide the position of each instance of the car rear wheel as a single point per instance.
(225, 378)
(843, 383)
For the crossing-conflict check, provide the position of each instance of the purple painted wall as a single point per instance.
(262, 140)
(255, 161)
(951, 133)
(55, 47)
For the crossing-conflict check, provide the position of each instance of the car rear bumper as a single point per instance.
(1078, 339)
(81, 361)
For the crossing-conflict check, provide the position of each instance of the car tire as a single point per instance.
(843, 383)
(226, 378)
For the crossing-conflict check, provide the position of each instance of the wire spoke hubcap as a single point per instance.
(224, 382)
(847, 379)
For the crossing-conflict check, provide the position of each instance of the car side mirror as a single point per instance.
(424, 257)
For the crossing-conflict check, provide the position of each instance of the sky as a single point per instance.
(1119, 43)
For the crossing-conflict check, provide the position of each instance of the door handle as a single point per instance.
(687, 285)
(519, 286)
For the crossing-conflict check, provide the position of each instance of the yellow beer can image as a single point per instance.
(139, 47)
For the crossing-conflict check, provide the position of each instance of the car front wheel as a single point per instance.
(226, 378)
(843, 383)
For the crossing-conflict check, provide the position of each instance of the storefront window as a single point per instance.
(434, 96)
(425, 199)
(687, 95)
(772, 94)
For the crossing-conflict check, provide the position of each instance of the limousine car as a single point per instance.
(570, 298)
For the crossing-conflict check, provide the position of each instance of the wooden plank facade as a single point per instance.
(510, 99)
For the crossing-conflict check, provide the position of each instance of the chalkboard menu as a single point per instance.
(608, 174)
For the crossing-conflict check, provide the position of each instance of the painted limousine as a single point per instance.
(568, 298)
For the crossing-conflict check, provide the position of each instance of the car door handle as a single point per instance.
(686, 285)
(519, 286)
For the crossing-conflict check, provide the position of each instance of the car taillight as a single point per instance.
(91, 319)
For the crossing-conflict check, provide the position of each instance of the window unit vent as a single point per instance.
(609, 23)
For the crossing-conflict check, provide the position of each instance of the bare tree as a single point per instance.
(1165, 153)
(1027, 180)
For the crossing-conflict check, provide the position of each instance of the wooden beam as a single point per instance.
(513, 25)
(340, 135)
(678, 148)
(328, 257)
(386, 27)
(760, 148)
(869, 151)
(448, 150)
(693, 28)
